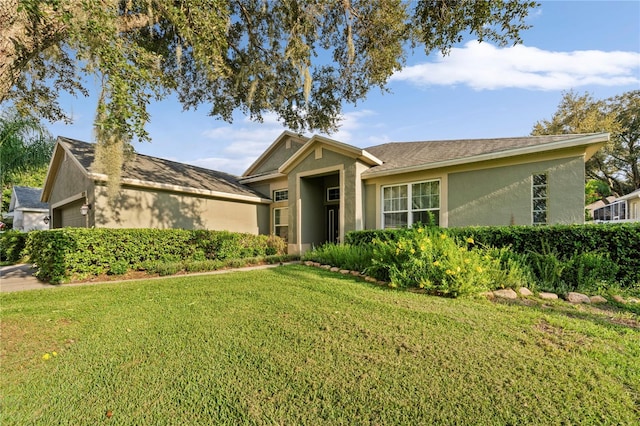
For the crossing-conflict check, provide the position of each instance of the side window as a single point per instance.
(281, 222)
(539, 192)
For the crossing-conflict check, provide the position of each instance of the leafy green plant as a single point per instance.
(12, 244)
(345, 256)
(430, 259)
(591, 272)
(119, 267)
(64, 254)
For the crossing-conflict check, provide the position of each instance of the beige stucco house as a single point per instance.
(311, 190)
(621, 209)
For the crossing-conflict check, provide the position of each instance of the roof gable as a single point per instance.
(152, 172)
(333, 145)
(286, 145)
(401, 157)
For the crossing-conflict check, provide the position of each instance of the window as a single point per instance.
(333, 194)
(408, 204)
(280, 195)
(281, 222)
(539, 199)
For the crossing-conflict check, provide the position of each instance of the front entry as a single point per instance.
(333, 224)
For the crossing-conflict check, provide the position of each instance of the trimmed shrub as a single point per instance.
(12, 244)
(78, 252)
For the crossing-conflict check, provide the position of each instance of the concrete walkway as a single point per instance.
(20, 277)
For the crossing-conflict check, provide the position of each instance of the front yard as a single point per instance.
(298, 345)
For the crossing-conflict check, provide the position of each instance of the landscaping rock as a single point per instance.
(598, 299)
(308, 263)
(325, 267)
(525, 291)
(633, 300)
(344, 271)
(370, 279)
(548, 296)
(356, 273)
(506, 293)
(619, 299)
(574, 297)
(334, 269)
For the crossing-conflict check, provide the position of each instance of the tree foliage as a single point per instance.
(25, 151)
(618, 163)
(299, 59)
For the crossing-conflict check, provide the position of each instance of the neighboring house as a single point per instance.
(314, 190)
(600, 203)
(622, 209)
(26, 209)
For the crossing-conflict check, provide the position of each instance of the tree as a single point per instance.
(618, 163)
(25, 152)
(299, 59)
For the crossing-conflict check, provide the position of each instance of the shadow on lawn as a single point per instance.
(611, 314)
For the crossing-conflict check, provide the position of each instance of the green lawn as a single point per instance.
(298, 345)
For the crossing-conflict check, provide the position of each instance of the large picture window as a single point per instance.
(539, 199)
(281, 222)
(411, 203)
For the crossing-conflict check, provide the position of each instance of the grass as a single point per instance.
(298, 345)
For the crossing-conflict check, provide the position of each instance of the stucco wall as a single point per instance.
(282, 152)
(502, 195)
(70, 181)
(142, 208)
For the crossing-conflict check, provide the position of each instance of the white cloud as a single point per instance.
(483, 66)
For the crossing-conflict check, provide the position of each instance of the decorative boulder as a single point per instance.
(598, 299)
(574, 297)
(525, 291)
(506, 293)
(548, 296)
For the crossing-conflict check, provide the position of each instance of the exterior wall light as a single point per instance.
(85, 209)
(46, 220)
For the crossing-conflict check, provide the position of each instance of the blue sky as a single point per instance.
(477, 91)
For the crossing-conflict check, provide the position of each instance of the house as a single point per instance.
(621, 209)
(311, 190)
(26, 209)
(589, 208)
(155, 193)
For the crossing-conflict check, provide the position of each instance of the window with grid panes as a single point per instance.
(539, 193)
(408, 204)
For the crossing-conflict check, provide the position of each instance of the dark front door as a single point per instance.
(333, 225)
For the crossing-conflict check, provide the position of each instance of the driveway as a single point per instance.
(20, 277)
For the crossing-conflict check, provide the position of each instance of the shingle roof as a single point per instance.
(157, 170)
(29, 198)
(398, 155)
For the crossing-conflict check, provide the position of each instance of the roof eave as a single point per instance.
(184, 189)
(600, 138)
(270, 176)
(340, 147)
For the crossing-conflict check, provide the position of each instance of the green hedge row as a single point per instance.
(12, 244)
(620, 241)
(78, 252)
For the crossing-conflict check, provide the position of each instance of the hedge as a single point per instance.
(620, 241)
(12, 244)
(79, 252)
